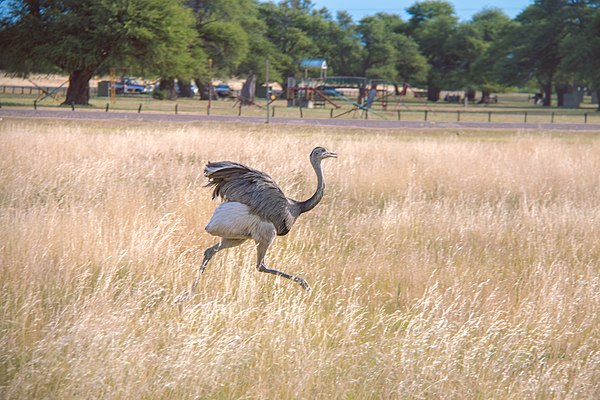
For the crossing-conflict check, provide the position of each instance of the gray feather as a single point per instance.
(233, 181)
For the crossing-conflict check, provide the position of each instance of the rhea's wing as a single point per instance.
(232, 181)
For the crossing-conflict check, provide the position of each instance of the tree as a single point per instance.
(411, 65)
(387, 52)
(379, 52)
(227, 34)
(580, 46)
(343, 52)
(336, 41)
(83, 38)
(287, 24)
(534, 45)
(434, 26)
(260, 49)
(422, 11)
(488, 27)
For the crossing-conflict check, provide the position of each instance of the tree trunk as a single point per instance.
(486, 96)
(167, 86)
(248, 90)
(204, 89)
(547, 89)
(561, 89)
(78, 92)
(433, 93)
(598, 97)
(470, 95)
(362, 93)
(184, 88)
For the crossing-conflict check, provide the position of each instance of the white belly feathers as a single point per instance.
(234, 220)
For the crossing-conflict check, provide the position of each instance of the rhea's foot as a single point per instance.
(302, 283)
(182, 298)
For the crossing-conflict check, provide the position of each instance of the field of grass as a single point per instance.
(442, 265)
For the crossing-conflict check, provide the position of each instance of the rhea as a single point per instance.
(254, 207)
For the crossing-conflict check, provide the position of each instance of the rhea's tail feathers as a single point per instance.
(220, 173)
(218, 168)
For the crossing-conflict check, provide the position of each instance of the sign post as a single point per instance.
(210, 62)
(268, 91)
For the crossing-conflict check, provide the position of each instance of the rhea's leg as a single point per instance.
(260, 265)
(209, 253)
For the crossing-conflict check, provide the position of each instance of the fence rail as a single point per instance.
(38, 90)
(459, 115)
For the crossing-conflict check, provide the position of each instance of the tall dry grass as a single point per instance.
(442, 266)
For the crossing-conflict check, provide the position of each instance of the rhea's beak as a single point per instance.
(331, 154)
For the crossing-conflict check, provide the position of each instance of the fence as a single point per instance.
(459, 115)
(409, 112)
(39, 90)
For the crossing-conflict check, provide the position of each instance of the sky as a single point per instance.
(464, 9)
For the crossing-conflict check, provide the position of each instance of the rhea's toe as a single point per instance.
(303, 283)
(183, 297)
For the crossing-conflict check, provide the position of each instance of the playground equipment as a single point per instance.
(54, 93)
(315, 92)
(314, 63)
(339, 90)
(360, 93)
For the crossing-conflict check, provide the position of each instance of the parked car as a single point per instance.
(193, 88)
(128, 86)
(329, 91)
(223, 90)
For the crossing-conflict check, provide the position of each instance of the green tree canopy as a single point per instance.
(387, 52)
(543, 28)
(423, 11)
(531, 46)
(335, 41)
(228, 31)
(580, 47)
(435, 28)
(486, 28)
(287, 29)
(82, 38)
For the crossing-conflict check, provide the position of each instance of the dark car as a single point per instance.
(329, 91)
(223, 90)
(128, 85)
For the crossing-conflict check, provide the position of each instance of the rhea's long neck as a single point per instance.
(318, 195)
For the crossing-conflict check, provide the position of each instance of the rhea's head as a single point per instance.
(320, 153)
